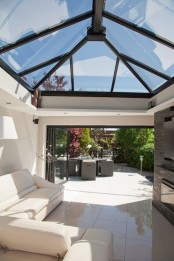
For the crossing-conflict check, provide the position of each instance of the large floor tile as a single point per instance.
(119, 247)
(117, 227)
(138, 250)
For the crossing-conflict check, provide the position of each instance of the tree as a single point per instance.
(60, 141)
(74, 141)
(54, 83)
(85, 140)
(134, 142)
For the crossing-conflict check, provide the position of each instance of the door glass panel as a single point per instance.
(63, 144)
(60, 152)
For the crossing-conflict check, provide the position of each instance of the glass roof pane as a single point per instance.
(45, 48)
(127, 82)
(60, 80)
(141, 48)
(22, 18)
(93, 68)
(33, 78)
(152, 80)
(156, 16)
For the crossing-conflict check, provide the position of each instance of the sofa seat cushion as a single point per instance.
(24, 256)
(34, 202)
(44, 193)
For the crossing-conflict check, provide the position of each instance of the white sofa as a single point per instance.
(25, 239)
(24, 201)
(28, 196)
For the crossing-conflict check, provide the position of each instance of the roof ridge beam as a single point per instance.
(98, 7)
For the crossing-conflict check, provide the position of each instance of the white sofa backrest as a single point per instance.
(34, 236)
(15, 185)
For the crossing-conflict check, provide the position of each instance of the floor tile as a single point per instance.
(117, 227)
(78, 222)
(119, 247)
(138, 250)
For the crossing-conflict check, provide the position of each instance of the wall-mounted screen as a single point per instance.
(169, 138)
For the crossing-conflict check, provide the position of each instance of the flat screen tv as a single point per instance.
(169, 138)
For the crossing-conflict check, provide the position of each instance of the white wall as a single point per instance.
(19, 153)
(95, 103)
(163, 100)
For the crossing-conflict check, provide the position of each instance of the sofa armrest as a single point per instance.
(34, 236)
(43, 183)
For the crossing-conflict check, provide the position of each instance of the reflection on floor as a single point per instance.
(122, 204)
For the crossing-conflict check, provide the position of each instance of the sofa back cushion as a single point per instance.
(15, 183)
(34, 236)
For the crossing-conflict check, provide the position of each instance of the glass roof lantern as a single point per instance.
(89, 47)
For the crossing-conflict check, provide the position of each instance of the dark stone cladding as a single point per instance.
(163, 169)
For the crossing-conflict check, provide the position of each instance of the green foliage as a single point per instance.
(134, 142)
(85, 140)
(60, 141)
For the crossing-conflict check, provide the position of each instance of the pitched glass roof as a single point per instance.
(96, 47)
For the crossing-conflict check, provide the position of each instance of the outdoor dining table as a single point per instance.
(79, 161)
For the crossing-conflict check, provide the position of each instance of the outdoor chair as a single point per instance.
(88, 170)
(107, 168)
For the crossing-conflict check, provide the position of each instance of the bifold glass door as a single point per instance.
(57, 151)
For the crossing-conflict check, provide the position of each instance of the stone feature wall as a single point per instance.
(163, 169)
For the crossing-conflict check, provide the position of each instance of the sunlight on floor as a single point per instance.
(123, 205)
(120, 189)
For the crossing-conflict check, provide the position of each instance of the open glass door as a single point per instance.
(57, 148)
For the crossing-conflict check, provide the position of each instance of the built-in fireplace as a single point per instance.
(163, 192)
(167, 193)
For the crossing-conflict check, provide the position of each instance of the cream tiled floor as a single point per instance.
(123, 205)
